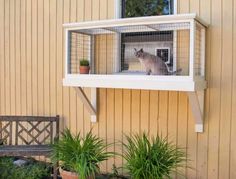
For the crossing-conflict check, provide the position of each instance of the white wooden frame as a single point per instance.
(192, 49)
(117, 15)
(175, 37)
(134, 21)
(190, 18)
(191, 84)
(176, 83)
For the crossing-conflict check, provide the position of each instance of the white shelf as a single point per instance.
(170, 83)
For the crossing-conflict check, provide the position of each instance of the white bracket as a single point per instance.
(90, 105)
(196, 101)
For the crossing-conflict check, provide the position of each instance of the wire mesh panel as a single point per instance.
(171, 47)
(159, 44)
(149, 49)
(79, 50)
(199, 64)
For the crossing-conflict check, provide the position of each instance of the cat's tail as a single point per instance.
(175, 72)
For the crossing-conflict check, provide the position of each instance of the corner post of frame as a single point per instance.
(192, 48)
(93, 91)
(67, 51)
(203, 50)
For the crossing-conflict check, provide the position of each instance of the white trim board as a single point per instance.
(173, 83)
(134, 21)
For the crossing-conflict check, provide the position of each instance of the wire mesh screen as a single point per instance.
(182, 49)
(113, 49)
(79, 50)
(159, 44)
(199, 52)
(100, 50)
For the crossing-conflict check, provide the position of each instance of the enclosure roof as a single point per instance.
(121, 25)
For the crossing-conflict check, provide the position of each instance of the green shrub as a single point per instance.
(84, 62)
(80, 154)
(33, 170)
(152, 159)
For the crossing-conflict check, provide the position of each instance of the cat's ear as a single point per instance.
(141, 50)
(135, 49)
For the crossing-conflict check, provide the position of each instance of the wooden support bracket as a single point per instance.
(196, 101)
(90, 105)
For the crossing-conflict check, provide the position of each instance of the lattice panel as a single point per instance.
(37, 132)
(6, 132)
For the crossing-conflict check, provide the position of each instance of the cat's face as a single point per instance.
(138, 53)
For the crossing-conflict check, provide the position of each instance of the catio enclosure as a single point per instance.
(109, 45)
(179, 40)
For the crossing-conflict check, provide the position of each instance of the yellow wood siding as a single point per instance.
(32, 68)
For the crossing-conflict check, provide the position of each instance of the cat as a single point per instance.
(154, 65)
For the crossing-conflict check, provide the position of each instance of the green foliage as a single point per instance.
(84, 62)
(137, 8)
(152, 159)
(33, 170)
(80, 154)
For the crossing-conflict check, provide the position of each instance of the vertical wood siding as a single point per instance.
(31, 72)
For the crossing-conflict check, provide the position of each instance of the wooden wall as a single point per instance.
(31, 72)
